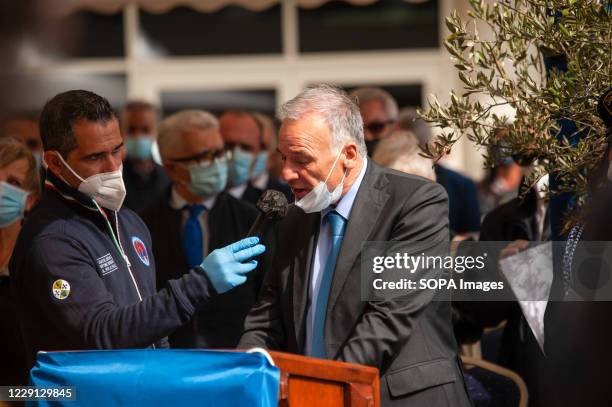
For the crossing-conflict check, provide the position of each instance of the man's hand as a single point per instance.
(227, 267)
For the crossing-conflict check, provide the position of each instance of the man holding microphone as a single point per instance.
(84, 275)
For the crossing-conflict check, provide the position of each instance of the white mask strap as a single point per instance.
(332, 168)
(69, 168)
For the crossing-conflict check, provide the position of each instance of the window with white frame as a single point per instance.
(183, 56)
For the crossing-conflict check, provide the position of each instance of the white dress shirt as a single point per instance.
(178, 202)
(238, 191)
(261, 181)
(343, 207)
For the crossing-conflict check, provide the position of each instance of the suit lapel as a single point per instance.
(305, 245)
(219, 221)
(367, 207)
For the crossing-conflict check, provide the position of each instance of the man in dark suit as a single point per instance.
(310, 302)
(520, 221)
(196, 217)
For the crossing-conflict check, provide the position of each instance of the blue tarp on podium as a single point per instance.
(159, 378)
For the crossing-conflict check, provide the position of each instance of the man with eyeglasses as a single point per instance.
(379, 112)
(196, 217)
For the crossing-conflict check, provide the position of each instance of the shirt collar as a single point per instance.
(345, 204)
(261, 181)
(178, 202)
(238, 191)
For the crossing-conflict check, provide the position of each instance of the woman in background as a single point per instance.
(19, 190)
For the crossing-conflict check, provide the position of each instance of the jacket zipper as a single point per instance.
(117, 240)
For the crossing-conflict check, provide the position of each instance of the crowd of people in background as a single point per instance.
(193, 203)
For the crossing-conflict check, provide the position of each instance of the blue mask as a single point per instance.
(12, 203)
(260, 164)
(207, 180)
(140, 147)
(240, 167)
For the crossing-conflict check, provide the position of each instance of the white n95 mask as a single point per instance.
(320, 197)
(107, 188)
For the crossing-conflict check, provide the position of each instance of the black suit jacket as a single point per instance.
(519, 349)
(411, 343)
(579, 333)
(218, 323)
(142, 190)
(463, 206)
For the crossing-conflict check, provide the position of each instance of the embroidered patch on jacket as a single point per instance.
(107, 264)
(61, 289)
(141, 250)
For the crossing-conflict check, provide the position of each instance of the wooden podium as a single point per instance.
(325, 383)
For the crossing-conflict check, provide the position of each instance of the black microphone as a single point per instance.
(272, 205)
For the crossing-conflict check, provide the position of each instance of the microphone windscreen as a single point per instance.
(273, 204)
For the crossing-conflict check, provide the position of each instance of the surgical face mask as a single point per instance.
(12, 203)
(207, 180)
(107, 188)
(240, 167)
(260, 164)
(320, 197)
(139, 147)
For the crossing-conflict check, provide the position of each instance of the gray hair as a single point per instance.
(366, 95)
(173, 126)
(336, 107)
(400, 151)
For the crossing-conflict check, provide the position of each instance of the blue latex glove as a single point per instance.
(227, 267)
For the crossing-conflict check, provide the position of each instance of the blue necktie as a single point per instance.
(193, 238)
(337, 225)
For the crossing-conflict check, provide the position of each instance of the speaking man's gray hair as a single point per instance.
(366, 95)
(336, 107)
(178, 123)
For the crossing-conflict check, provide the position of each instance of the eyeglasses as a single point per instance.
(377, 127)
(206, 157)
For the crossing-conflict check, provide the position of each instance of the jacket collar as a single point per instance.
(68, 193)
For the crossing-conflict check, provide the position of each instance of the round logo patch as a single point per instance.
(141, 250)
(61, 289)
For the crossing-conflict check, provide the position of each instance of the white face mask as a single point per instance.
(107, 188)
(320, 197)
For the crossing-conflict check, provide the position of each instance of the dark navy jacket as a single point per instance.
(74, 289)
(463, 206)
